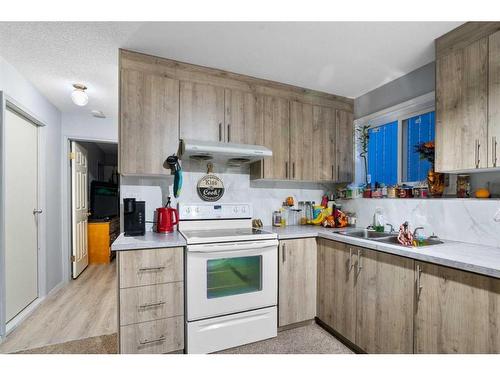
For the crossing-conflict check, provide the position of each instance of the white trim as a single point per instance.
(10, 103)
(66, 199)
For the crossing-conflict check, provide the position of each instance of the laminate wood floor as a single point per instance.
(85, 307)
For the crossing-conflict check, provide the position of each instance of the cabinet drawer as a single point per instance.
(156, 337)
(152, 266)
(145, 303)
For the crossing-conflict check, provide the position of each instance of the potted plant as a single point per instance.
(435, 180)
(363, 137)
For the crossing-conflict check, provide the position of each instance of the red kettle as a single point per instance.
(166, 218)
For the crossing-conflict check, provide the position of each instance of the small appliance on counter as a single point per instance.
(134, 217)
(166, 218)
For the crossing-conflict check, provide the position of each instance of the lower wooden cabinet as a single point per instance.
(151, 300)
(456, 311)
(384, 302)
(297, 280)
(336, 293)
(366, 296)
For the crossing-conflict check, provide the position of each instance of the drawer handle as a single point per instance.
(154, 304)
(153, 269)
(153, 341)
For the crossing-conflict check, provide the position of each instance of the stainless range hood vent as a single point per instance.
(232, 154)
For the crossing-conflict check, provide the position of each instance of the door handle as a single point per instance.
(478, 145)
(350, 258)
(494, 150)
(419, 285)
(286, 169)
(293, 170)
(220, 131)
(283, 253)
(359, 261)
(332, 173)
(37, 211)
(338, 172)
(229, 132)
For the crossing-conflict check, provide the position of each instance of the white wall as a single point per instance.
(25, 95)
(86, 126)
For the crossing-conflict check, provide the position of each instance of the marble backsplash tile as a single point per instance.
(466, 220)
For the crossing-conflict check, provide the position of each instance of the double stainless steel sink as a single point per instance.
(389, 238)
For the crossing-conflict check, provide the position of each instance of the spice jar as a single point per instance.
(463, 186)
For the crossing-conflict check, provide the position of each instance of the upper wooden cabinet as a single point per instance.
(324, 134)
(468, 97)
(163, 100)
(301, 141)
(202, 112)
(243, 117)
(456, 312)
(297, 281)
(494, 99)
(344, 146)
(149, 122)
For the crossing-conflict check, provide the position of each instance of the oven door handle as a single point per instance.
(231, 246)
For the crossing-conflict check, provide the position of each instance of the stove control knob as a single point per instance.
(188, 210)
(235, 209)
(197, 210)
(243, 209)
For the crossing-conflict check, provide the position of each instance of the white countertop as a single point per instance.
(151, 240)
(465, 256)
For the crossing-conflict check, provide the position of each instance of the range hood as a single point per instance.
(233, 154)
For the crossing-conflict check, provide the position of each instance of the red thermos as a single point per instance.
(166, 218)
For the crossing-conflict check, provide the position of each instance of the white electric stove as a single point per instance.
(231, 277)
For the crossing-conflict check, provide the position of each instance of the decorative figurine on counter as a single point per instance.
(405, 236)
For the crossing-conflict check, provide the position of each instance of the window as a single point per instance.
(392, 157)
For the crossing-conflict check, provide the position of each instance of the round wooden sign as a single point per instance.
(210, 188)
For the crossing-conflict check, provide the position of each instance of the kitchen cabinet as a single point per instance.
(243, 117)
(384, 302)
(456, 311)
(201, 112)
(301, 141)
(336, 288)
(494, 99)
(324, 140)
(344, 146)
(151, 300)
(149, 122)
(297, 281)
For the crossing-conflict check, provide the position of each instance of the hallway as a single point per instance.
(85, 307)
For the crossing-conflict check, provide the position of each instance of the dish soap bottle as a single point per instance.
(378, 220)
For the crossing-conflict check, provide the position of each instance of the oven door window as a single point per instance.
(231, 276)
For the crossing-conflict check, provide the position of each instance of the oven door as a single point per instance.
(227, 278)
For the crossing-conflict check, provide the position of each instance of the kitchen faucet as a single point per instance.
(392, 227)
(416, 230)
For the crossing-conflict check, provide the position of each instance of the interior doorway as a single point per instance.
(22, 213)
(94, 201)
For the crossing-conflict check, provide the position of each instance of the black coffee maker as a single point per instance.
(134, 217)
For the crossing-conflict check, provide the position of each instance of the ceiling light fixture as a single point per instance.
(79, 96)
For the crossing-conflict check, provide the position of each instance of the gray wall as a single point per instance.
(419, 82)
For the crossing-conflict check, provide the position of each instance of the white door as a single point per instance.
(21, 213)
(79, 208)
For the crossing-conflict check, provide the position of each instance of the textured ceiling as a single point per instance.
(344, 58)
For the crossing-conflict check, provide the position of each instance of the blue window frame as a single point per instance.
(418, 129)
(383, 154)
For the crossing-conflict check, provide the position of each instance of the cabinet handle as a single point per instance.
(153, 269)
(494, 153)
(332, 173)
(478, 145)
(359, 261)
(283, 253)
(338, 172)
(152, 341)
(419, 285)
(350, 258)
(228, 132)
(293, 169)
(286, 169)
(154, 304)
(220, 131)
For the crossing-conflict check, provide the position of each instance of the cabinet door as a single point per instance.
(276, 137)
(201, 112)
(461, 108)
(384, 300)
(344, 146)
(336, 294)
(456, 311)
(301, 143)
(243, 117)
(324, 133)
(494, 100)
(297, 281)
(149, 122)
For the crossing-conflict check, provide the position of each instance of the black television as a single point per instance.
(104, 200)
